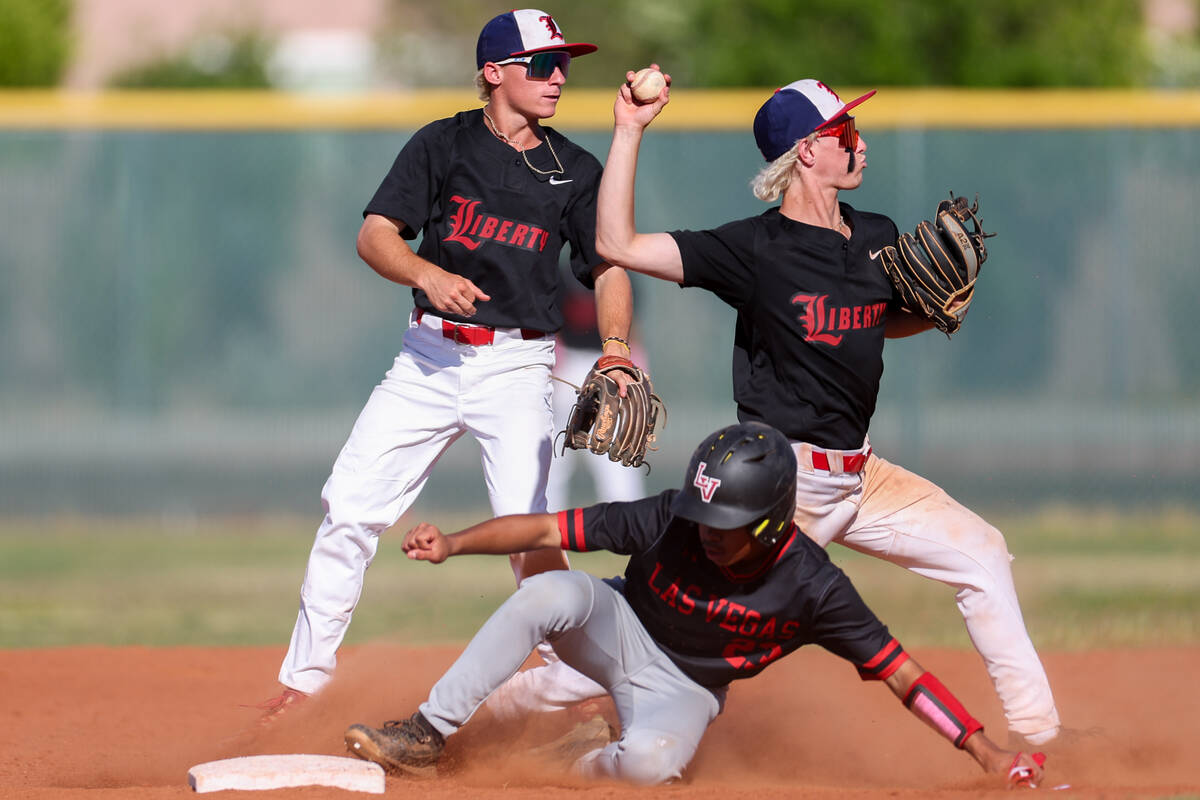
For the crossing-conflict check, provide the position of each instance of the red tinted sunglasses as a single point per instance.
(846, 133)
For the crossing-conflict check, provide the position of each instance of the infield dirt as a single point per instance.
(101, 722)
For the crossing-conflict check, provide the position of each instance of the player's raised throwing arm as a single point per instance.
(514, 533)
(617, 239)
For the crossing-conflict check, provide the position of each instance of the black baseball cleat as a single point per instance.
(406, 747)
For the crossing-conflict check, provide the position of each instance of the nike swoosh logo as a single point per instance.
(556, 182)
(874, 254)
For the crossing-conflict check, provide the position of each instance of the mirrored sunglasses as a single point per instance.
(540, 66)
(846, 133)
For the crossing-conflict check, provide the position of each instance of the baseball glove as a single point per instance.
(606, 423)
(935, 271)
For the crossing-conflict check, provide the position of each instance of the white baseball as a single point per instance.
(647, 84)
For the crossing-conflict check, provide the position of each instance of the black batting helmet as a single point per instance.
(744, 474)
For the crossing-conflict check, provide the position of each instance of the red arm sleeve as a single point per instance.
(570, 525)
(886, 661)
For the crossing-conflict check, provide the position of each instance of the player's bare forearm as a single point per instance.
(903, 323)
(615, 226)
(381, 245)
(614, 318)
(614, 307)
(901, 681)
(515, 533)
(617, 239)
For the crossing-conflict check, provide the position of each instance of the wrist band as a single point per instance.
(616, 339)
(933, 703)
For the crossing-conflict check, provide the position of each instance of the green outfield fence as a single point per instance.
(185, 327)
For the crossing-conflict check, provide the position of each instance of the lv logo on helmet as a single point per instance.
(705, 484)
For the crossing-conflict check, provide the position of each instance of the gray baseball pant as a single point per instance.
(593, 629)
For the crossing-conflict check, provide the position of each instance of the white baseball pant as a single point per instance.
(663, 713)
(436, 390)
(890, 513)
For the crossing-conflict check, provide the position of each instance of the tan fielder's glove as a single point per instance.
(935, 270)
(605, 423)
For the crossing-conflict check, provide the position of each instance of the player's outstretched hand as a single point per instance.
(452, 294)
(1025, 771)
(426, 543)
(629, 111)
(1019, 769)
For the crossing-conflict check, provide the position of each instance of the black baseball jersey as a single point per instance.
(811, 307)
(488, 217)
(715, 624)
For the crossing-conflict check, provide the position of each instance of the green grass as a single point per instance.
(223, 582)
(1086, 580)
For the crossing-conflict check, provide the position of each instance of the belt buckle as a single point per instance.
(473, 335)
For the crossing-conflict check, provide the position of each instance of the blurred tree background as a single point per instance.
(1020, 43)
(234, 60)
(35, 39)
(715, 43)
(702, 43)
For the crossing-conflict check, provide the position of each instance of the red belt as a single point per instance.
(854, 463)
(476, 334)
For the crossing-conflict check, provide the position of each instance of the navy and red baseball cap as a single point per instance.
(522, 32)
(794, 112)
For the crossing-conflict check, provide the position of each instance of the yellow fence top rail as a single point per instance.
(586, 109)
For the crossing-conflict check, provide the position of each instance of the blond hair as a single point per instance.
(482, 87)
(773, 180)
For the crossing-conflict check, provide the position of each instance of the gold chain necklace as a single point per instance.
(500, 135)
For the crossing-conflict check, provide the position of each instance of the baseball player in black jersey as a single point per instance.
(496, 196)
(813, 309)
(720, 583)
